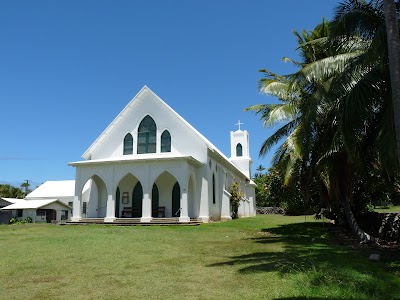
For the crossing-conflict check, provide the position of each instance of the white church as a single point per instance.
(148, 164)
(151, 163)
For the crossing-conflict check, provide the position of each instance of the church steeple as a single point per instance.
(240, 150)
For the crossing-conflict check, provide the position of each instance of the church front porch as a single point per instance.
(134, 222)
(147, 190)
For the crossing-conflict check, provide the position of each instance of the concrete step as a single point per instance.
(92, 220)
(134, 222)
(127, 220)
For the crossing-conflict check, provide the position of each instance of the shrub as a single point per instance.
(236, 197)
(27, 220)
(14, 221)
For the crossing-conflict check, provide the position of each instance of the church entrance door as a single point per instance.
(137, 198)
(176, 200)
(154, 201)
(117, 198)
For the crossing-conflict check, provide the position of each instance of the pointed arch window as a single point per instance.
(239, 150)
(147, 133)
(166, 141)
(128, 144)
(213, 189)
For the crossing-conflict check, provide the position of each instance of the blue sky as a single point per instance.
(69, 67)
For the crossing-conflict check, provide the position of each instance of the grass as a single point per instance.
(387, 209)
(267, 257)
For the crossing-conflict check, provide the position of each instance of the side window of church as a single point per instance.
(239, 150)
(213, 189)
(84, 207)
(147, 136)
(166, 141)
(128, 144)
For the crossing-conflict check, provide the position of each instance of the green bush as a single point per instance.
(236, 197)
(27, 220)
(14, 221)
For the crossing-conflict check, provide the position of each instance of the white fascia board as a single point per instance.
(142, 158)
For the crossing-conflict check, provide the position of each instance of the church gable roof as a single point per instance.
(135, 103)
(131, 106)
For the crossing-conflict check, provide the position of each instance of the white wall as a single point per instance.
(31, 213)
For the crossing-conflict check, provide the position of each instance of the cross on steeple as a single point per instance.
(238, 123)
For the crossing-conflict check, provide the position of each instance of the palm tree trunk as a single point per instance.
(361, 234)
(342, 188)
(392, 31)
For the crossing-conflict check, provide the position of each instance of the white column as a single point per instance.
(110, 214)
(184, 207)
(76, 210)
(204, 214)
(146, 208)
(226, 206)
(146, 201)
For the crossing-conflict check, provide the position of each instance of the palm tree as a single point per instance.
(334, 106)
(299, 96)
(25, 186)
(260, 169)
(8, 191)
(393, 40)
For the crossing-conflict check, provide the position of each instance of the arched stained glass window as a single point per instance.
(147, 133)
(166, 141)
(239, 150)
(128, 144)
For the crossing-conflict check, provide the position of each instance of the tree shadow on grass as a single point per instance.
(305, 254)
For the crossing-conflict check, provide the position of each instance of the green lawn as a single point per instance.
(388, 209)
(267, 257)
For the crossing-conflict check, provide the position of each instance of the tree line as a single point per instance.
(9, 191)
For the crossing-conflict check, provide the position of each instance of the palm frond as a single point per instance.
(287, 59)
(285, 112)
(277, 136)
(275, 88)
(327, 67)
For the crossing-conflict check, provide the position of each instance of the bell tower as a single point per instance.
(240, 156)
